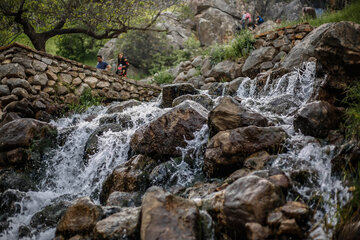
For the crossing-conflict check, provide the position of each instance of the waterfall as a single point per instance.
(68, 176)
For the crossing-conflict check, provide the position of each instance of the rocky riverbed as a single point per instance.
(250, 158)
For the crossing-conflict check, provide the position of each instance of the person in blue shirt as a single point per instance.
(259, 20)
(101, 64)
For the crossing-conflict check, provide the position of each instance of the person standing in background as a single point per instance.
(122, 65)
(101, 64)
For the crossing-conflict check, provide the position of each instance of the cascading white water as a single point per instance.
(68, 176)
(278, 101)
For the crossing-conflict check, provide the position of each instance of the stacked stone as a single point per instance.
(282, 40)
(26, 73)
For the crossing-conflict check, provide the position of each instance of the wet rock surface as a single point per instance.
(228, 149)
(162, 137)
(317, 119)
(79, 218)
(250, 199)
(165, 216)
(172, 91)
(129, 177)
(230, 114)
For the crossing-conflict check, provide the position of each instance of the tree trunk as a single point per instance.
(39, 41)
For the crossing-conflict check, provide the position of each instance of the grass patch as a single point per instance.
(352, 112)
(349, 13)
(163, 77)
(86, 100)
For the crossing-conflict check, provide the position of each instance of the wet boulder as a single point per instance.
(249, 200)
(124, 199)
(23, 107)
(230, 114)
(9, 205)
(80, 218)
(297, 210)
(252, 64)
(232, 87)
(49, 216)
(123, 224)
(24, 134)
(202, 99)
(255, 231)
(91, 145)
(339, 46)
(161, 138)
(225, 71)
(317, 119)
(9, 179)
(172, 91)
(165, 216)
(228, 149)
(122, 106)
(130, 176)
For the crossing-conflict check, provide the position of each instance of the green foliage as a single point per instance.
(352, 113)
(101, 19)
(240, 46)
(349, 13)
(78, 47)
(351, 211)
(147, 51)
(86, 100)
(163, 77)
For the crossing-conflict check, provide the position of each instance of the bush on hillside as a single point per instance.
(240, 46)
(163, 77)
(352, 113)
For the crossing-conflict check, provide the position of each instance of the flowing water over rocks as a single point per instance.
(305, 160)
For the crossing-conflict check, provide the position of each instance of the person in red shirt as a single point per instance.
(122, 64)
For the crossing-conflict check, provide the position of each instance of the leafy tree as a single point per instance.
(100, 19)
(146, 50)
(78, 47)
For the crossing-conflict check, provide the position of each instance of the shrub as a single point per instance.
(86, 100)
(352, 113)
(163, 77)
(240, 46)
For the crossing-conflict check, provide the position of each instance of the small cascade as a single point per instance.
(69, 175)
(306, 157)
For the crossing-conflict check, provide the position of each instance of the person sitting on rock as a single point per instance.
(122, 64)
(308, 12)
(101, 64)
(259, 20)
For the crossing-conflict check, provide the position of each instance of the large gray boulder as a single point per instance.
(340, 46)
(228, 149)
(230, 114)
(226, 70)
(252, 64)
(123, 224)
(250, 199)
(306, 49)
(172, 91)
(317, 119)
(165, 216)
(162, 137)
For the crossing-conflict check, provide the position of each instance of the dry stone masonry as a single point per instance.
(29, 74)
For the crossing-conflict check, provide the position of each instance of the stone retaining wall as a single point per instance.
(282, 39)
(27, 73)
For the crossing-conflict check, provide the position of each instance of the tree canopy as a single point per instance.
(100, 19)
